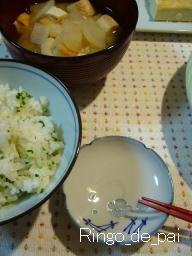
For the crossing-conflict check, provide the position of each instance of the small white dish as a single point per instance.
(146, 24)
(109, 177)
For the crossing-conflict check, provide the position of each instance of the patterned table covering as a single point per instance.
(143, 98)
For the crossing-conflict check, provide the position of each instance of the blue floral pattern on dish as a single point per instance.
(134, 224)
(100, 228)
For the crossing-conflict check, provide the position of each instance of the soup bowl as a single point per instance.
(73, 70)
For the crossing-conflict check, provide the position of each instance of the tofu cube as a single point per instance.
(56, 13)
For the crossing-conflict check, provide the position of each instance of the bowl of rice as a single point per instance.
(40, 135)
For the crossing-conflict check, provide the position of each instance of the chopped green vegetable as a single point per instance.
(41, 122)
(30, 151)
(28, 148)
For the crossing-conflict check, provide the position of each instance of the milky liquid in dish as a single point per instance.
(109, 170)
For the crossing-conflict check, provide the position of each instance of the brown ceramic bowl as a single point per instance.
(72, 70)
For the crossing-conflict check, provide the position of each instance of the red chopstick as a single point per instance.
(166, 208)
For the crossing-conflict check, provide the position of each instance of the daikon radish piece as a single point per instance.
(76, 17)
(41, 9)
(71, 36)
(47, 47)
(54, 30)
(73, 41)
(70, 26)
(107, 23)
(39, 34)
(74, 12)
(94, 34)
(85, 7)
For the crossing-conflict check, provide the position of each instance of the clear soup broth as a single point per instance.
(66, 29)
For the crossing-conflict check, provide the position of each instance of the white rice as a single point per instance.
(30, 148)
